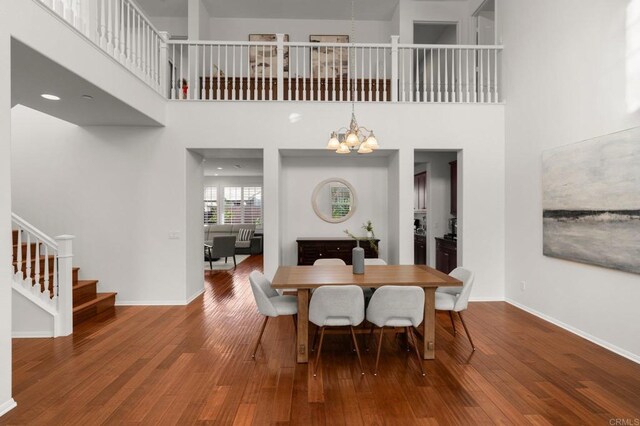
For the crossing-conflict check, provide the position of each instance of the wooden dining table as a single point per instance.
(304, 278)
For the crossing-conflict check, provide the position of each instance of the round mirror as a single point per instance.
(334, 200)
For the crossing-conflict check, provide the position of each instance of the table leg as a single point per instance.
(429, 336)
(302, 343)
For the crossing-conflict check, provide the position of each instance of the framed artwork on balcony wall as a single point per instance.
(329, 62)
(591, 201)
(263, 60)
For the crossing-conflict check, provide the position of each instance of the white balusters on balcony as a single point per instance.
(121, 30)
(334, 72)
(42, 270)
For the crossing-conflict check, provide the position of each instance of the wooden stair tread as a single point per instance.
(84, 283)
(99, 298)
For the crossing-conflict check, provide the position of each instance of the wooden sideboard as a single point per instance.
(311, 249)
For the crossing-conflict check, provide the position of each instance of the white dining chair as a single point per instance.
(329, 261)
(397, 306)
(270, 303)
(368, 291)
(337, 306)
(456, 299)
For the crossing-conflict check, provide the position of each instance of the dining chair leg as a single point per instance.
(452, 322)
(414, 342)
(375, 373)
(315, 339)
(315, 367)
(355, 342)
(466, 330)
(255, 348)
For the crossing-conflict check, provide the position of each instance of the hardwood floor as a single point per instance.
(192, 364)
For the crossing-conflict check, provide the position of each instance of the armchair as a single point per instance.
(222, 246)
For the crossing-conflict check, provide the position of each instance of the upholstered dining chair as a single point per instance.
(368, 291)
(337, 306)
(270, 303)
(329, 261)
(456, 299)
(397, 306)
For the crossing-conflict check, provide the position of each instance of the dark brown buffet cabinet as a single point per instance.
(446, 255)
(310, 249)
(419, 249)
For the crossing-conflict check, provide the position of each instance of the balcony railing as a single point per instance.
(119, 28)
(285, 71)
(333, 72)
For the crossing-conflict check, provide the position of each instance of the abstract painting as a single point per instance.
(591, 201)
(263, 60)
(329, 62)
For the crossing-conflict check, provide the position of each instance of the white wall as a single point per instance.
(193, 217)
(553, 100)
(434, 11)
(116, 188)
(6, 402)
(298, 29)
(439, 196)
(174, 26)
(28, 319)
(368, 176)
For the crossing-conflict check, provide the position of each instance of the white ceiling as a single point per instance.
(366, 10)
(33, 74)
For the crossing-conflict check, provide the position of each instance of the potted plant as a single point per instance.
(369, 228)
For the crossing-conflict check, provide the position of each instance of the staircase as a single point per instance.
(42, 271)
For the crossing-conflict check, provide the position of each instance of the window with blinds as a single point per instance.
(211, 205)
(252, 203)
(233, 204)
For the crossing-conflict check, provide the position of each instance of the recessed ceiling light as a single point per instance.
(50, 97)
(215, 174)
(219, 168)
(87, 97)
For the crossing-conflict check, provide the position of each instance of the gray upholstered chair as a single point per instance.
(456, 299)
(223, 246)
(397, 306)
(270, 303)
(337, 306)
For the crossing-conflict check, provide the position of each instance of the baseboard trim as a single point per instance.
(150, 302)
(602, 343)
(486, 299)
(7, 406)
(195, 296)
(31, 335)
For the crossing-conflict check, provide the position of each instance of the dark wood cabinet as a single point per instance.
(446, 255)
(310, 249)
(419, 249)
(454, 187)
(420, 191)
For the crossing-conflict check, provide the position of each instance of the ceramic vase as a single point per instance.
(357, 255)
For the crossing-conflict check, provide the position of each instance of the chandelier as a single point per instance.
(354, 138)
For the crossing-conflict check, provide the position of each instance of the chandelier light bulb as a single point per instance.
(352, 139)
(343, 148)
(372, 142)
(334, 143)
(364, 149)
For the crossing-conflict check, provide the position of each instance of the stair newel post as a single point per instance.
(64, 290)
